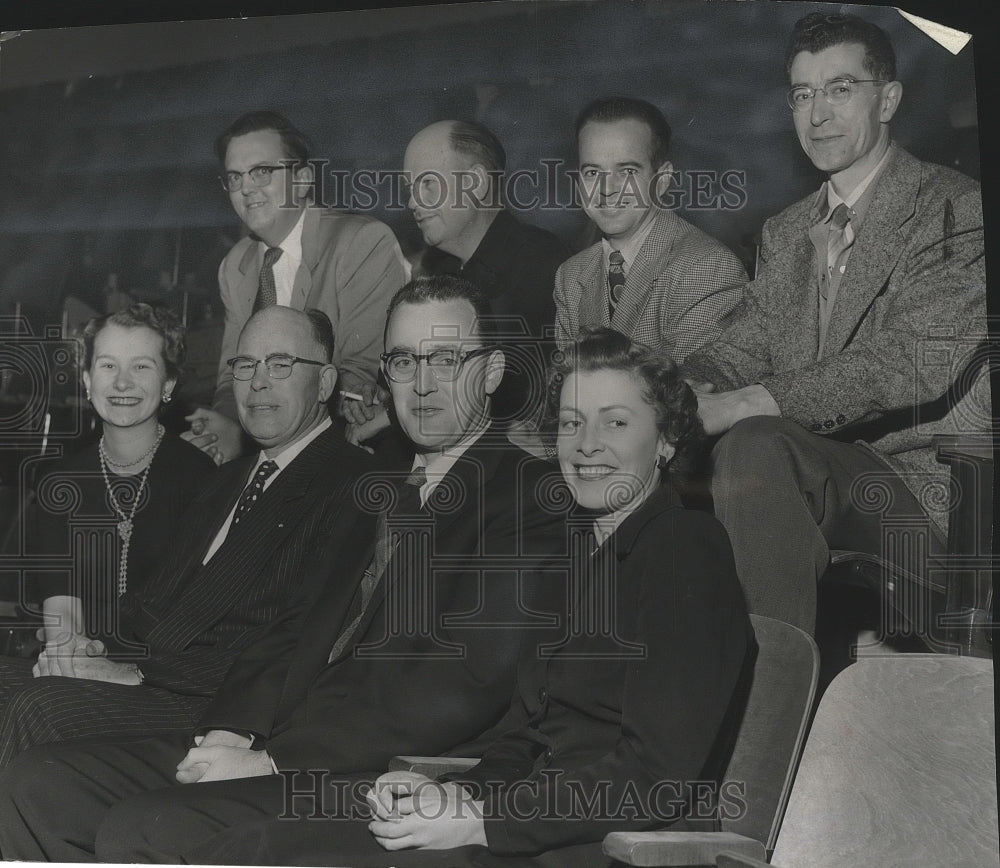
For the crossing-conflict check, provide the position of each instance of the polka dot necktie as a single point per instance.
(267, 293)
(253, 490)
(616, 280)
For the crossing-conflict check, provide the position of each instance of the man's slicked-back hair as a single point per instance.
(444, 288)
(296, 143)
(818, 31)
(322, 330)
(478, 144)
(620, 108)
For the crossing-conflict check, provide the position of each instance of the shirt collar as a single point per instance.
(630, 249)
(856, 201)
(292, 244)
(441, 463)
(287, 455)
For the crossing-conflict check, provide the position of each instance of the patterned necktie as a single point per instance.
(840, 239)
(616, 280)
(407, 503)
(253, 490)
(267, 293)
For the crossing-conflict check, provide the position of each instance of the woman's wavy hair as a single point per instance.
(674, 404)
(161, 320)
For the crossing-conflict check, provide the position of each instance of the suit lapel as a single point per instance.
(249, 545)
(245, 293)
(649, 263)
(451, 526)
(303, 284)
(592, 289)
(876, 250)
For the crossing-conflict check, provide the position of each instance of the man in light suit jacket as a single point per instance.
(857, 341)
(423, 660)
(298, 255)
(653, 276)
(239, 559)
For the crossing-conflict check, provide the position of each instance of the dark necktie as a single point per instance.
(253, 490)
(267, 293)
(407, 503)
(841, 237)
(616, 280)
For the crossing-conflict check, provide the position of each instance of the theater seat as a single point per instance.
(899, 769)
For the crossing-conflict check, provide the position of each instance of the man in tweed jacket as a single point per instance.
(233, 569)
(850, 353)
(679, 283)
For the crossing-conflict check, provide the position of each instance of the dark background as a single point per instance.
(105, 131)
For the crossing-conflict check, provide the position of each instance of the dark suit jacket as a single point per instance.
(468, 585)
(678, 291)
(655, 702)
(196, 619)
(351, 267)
(515, 265)
(909, 314)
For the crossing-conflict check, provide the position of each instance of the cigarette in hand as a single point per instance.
(354, 396)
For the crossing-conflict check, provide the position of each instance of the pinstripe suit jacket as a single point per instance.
(195, 619)
(904, 340)
(678, 291)
(492, 521)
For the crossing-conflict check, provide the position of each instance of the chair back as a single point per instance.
(771, 735)
(899, 769)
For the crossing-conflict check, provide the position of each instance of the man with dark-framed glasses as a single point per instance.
(299, 255)
(419, 656)
(857, 344)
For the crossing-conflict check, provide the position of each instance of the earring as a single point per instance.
(88, 396)
(166, 397)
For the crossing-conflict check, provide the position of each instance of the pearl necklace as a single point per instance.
(125, 522)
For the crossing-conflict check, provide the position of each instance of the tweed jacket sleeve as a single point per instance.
(914, 285)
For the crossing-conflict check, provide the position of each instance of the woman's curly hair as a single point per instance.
(674, 403)
(161, 320)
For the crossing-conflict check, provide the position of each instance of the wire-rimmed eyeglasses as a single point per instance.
(837, 91)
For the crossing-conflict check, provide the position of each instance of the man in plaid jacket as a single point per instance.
(653, 276)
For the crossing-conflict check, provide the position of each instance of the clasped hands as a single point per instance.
(411, 810)
(221, 755)
(74, 656)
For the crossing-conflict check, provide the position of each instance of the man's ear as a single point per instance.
(327, 382)
(891, 97)
(495, 365)
(481, 190)
(302, 183)
(664, 178)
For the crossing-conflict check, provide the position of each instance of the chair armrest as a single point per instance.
(432, 766)
(970, 446)
(738, 860)
(677, 848)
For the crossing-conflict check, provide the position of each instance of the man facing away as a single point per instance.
(298, 255)
(421, 659)
(853, 345)
(653, 276)
(240, 558)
